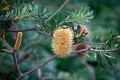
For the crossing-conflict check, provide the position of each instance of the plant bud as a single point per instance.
(18, 42)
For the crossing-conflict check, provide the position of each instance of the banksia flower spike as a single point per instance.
(18, 42)
(62, 41)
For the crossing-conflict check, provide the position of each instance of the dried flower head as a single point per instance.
(62, 41)
(18, 42)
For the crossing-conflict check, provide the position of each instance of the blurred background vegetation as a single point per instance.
(106, 18)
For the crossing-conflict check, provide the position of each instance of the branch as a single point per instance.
(2, 32)
(30, 29)
(95, 43)
(16, 64)
(7, 45)
(111, 50)
(44, 32)
(54, 57)
(90, 49)
(75, 52)
(13, 54)
(37, 67)
(58, 10)
(7, 51)
(24, 30)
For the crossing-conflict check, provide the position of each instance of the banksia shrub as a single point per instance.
(18, 42)
(62, 41)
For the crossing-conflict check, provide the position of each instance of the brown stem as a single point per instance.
(57, 10)
(95, 50)
(37, 67)
(16, 64)
(111, 50)
(7, 45)
(24, 30)
(2, 32)
(94, 43)
(30, 29)
(7, 51)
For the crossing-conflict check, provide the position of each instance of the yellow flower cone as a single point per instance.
(62, 41)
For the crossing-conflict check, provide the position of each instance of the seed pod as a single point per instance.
(18, 42)
(62, 41)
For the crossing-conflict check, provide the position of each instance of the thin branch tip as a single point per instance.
(37, 67)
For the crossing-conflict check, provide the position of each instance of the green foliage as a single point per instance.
(27, 10)
(80, 16)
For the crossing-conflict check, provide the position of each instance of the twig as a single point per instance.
(75, 52)
(7, 51)
(57, 10)
(94, 43)
(7, 45)
(24, 30)
(44, 32)
(54, 57)
(18, 61)
(104, 50)
(2, 32)
(37, 67)
(95, 50)
(30, 29)
(16, 64)
(13, 54)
